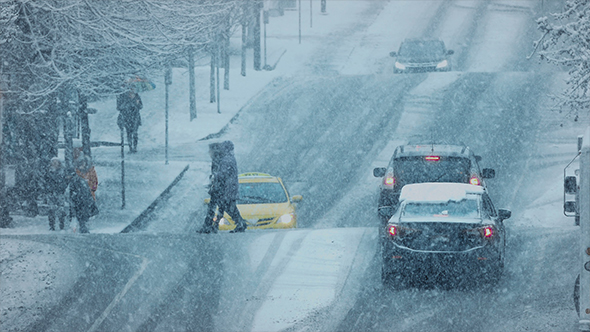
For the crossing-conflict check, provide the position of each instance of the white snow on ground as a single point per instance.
(33, 274)
(310, 279)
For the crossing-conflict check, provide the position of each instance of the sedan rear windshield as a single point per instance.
(465, 208)
(417, 169)
(261, 193)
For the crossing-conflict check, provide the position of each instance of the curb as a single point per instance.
(141, 221)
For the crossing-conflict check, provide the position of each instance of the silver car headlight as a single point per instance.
(442, 64)
(285, 219)
(399, 66)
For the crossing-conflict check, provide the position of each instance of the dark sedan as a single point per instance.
(443, 230)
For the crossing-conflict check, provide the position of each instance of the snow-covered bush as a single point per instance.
(566, 42)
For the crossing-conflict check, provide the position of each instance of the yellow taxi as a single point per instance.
(264, 203)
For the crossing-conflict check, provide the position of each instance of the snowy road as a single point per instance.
(323, 131)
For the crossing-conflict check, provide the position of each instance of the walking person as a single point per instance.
(55, 188)
(129, 104)
(224, 188)
(85, 170)
(82, 202)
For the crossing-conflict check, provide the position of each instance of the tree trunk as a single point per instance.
(191, 75)
(257, 38)
(243, 49)
(85, 126)
(226, 62)
(212, 78)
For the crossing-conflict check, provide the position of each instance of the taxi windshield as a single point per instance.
(261, 193)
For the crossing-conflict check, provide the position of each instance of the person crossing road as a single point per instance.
(224, 188)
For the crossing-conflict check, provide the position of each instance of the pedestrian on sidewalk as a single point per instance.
(85, 170)
(129, 104)
(83, 204)
(55, 188)
(224, 188)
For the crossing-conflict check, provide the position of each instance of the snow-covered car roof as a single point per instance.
(432, 149)
(438, 192)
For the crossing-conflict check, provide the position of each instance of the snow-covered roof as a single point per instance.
(438, 192)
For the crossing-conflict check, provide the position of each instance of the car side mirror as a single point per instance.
(504, 214)
(385, 212)
(488, 173)
(379, 172)
(569, 206)
(296, 198)
(569, 185)
(450, 52)
(392, 54)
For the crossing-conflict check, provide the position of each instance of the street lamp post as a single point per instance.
(299, 21)
(167, 82)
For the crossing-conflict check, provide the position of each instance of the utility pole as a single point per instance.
(265, 21)
(310, 14)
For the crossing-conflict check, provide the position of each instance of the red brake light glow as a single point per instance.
(487, 232)
(432, 158)
(474, 180)
(392, 230)
(389, 181)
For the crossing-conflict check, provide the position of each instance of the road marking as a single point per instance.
(117, 299)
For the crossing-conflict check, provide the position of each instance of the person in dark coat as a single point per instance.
(82, 202)
(210, 225)
(55, 188)
(224, 187)
(129, 104)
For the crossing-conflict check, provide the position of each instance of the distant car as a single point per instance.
(443, 228)
(422, 55)
(264, 203)
(428, 163)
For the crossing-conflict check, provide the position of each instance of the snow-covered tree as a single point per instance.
(94, 46)
(566, 42)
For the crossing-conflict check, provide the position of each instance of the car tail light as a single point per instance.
(432, 158)
(389, 181)
(474, 180)
(392, 230)
(399, 231)
(486, 232)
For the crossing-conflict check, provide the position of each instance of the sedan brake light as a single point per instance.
(486, 232)
(392, 230)
(474, 180)
(389, 181)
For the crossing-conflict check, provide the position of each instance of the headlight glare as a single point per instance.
(399, 66)
(285, 219)
(442, 64)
